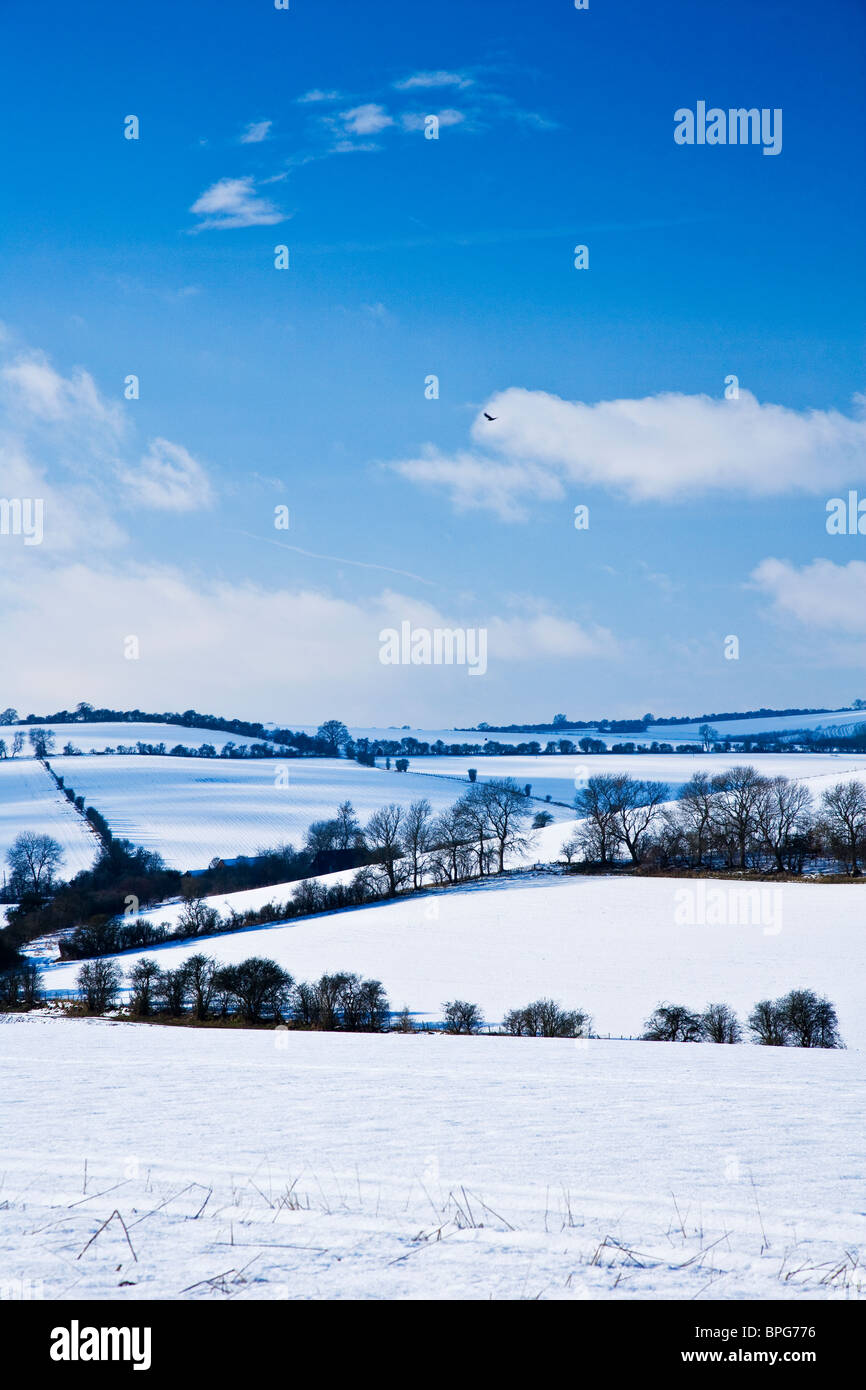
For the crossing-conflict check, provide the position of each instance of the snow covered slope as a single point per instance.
(191, 809)
(29, 800)
(614, 946)
(95, 738)
(561, 775)
(254, 1164)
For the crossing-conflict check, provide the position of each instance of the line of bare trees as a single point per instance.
(736, 819)
(410, 845)
(800, 1018)
(255, 990)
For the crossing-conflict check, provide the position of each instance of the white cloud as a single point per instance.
(820, 595)
(415, 120)
(655, 448)
(235, 203)
(32, 387)
(545, 637)
(368, 119)
(241, 647)
(256, 132)
(434, 79)
(63, 441)
(484, 484)
(354, 147)
(318, 95)
(168, 478)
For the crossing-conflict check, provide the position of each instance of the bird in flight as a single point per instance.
(490, 417)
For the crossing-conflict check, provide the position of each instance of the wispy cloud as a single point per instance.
(822, 595)
(235, 203)
(417, 120)
(367, 119)
(168, 479)
(318, 95)
(256, 132)
(434, 79)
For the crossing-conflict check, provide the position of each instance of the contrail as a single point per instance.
(338, 559)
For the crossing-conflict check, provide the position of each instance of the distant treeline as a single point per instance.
(560, 721)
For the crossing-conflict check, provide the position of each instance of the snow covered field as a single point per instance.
(192, 809)
(663, 733)
(255, 1164)
(95, 738)
(561, 776)
(29, 800)
(613, 946)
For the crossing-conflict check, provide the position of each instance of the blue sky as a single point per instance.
(408, 257)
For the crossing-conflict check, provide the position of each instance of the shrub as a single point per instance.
(144, 982)
(719, 1024)
(672, 1023)
(20, 986)
(812, 1021)
(545, 1019)
(258, 986)
(462, 1017)
(768, 1024)
(98, 984)
(172, 991)
(341, 1001)
(541, 820)
(797, 1019)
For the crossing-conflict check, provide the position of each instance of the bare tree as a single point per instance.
(570, 849)
(98, 984)
(545, 1019)
(719, 1024)
(811, 1021)
(595, 803)
(636, 808)
(259, 986)
(347, 828)
(200, 972)
(740, 790)
(335, 734)
(384, 836)
(143, 978)
(17, 743)
(672, 1023)
(844, 808)
(321, 837)
(462, 1017)
(768, 1024)
(33, 860)
(42, 741)
(783, 817)
(171, 990)
(506, 810)
(198, 918)
(695, 813)
(417, 837)
(449, 834)
(472, 810)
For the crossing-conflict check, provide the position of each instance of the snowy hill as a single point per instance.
(614, 946)
(249, 1164)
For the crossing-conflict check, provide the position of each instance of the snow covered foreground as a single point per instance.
(255, 1164)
